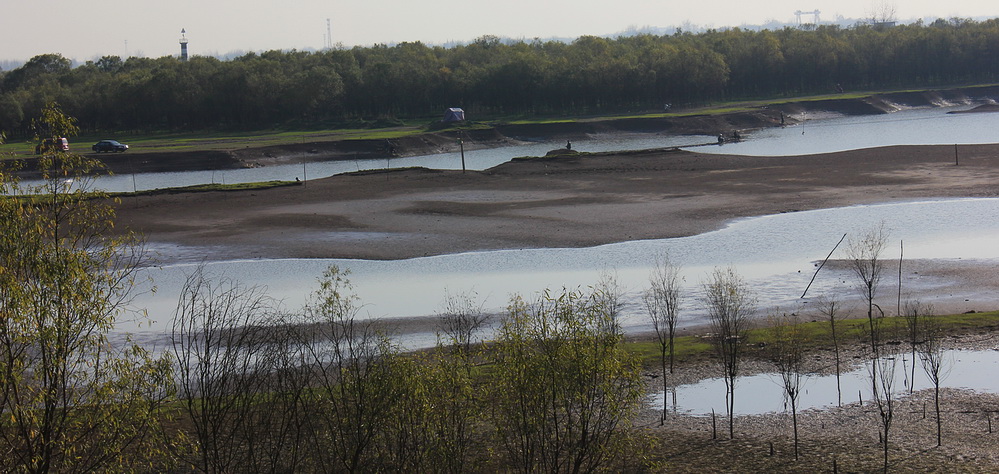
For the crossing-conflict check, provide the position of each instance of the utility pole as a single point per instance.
(462, 145)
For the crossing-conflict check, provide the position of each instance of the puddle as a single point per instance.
(764, 393)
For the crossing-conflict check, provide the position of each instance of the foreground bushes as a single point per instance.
(325, 392)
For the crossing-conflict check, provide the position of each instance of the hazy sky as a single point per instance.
(88, 30)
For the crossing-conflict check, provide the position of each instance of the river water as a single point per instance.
(913, 126)
(776, 253)
(919, 126)
(474, 160)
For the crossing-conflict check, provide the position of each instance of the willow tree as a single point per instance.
(562, 386)
(354, 389)
(72, 398)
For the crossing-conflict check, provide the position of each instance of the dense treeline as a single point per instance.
(490, 77)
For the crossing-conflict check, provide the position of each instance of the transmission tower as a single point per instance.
(329, 35)
(815, 16)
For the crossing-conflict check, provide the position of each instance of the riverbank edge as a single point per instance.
(845, 436)
(769, 114)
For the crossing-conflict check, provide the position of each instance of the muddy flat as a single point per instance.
(566, 201)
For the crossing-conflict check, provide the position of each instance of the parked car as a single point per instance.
(107, 146)
(52, 144)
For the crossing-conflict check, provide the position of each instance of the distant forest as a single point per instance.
(490, 78)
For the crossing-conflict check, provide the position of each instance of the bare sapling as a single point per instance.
(787, 353)
(662, 302)
(932, 357)
(730, 306)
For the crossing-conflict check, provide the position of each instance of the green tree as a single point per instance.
(54, 124)
(432, 424)
(71, 397)
(562, 385)
(355, 390)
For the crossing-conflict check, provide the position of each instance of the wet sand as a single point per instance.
(565, 201)
(573, 201)
(847, 435)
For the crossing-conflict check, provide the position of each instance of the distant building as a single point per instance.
(454, 114)
(183, 45)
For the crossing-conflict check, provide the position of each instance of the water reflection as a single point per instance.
(474, 160)
(776, 254)
(764, 393)
(905, 127)
(924, 126)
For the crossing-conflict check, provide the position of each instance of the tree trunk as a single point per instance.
(794, 422)
(885, 445)
(662, 418)
(731, 410)
(936, 401)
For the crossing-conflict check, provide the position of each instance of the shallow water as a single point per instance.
(922, 126)
(764, 393)
(776, 254)
(474, 160)
(818, 135)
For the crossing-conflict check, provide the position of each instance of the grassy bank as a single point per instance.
(817, 333)
(154, 142)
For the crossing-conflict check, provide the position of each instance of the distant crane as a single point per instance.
(815, 16)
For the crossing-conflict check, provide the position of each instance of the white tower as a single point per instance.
(183, 45)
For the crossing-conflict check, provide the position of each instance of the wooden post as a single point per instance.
(955, 155)
(898, 307)
(462, 145)
(714, 425)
